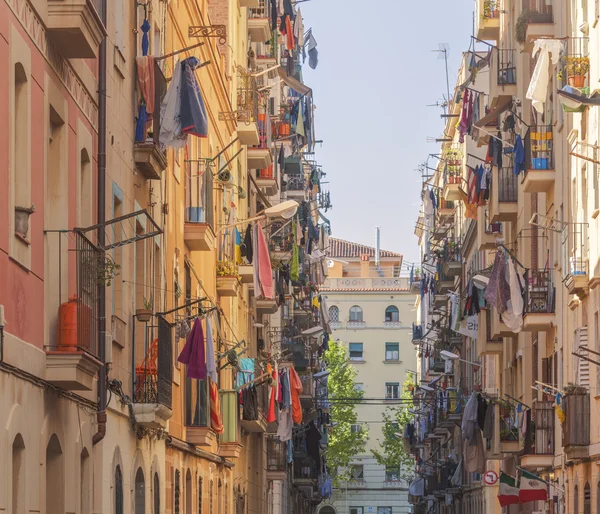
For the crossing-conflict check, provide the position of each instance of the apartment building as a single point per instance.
(371, 312)
(123, 231)
(537, 217)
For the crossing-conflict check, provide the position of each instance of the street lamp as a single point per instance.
(285, 210)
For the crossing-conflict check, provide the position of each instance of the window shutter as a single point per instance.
(583, 367)
(545, 374)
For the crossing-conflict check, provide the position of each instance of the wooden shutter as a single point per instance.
(583, 367)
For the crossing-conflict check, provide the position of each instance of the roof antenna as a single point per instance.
(443, 48)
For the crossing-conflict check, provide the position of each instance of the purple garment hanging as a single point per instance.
(194, 119)
(194, 353)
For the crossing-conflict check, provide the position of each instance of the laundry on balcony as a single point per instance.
(577, 100)
(540, 78)
(194, 353)
(182, 111)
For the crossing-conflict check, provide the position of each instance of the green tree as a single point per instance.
(344, 443)
(391, 452)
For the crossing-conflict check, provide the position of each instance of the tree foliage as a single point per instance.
(344, 444)
(391, 452)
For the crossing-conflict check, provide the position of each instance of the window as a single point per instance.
(392, 391)
(188, 492)
(18, 475)
(355, 429)
(356, 313)
(392, 314)
(356, 510)
(392, 351)
(392, 474)
(356, 351)
(156, 494)
(357, 472)
(328, 509)
(576, 499)
(384, 510)
(334, 314)
(118, 491)
(140, 492)
(587, 499)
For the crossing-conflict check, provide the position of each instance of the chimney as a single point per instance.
(364, 265)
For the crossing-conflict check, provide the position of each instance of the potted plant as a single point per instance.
(22, 220)
(144, 315)
(577, 68)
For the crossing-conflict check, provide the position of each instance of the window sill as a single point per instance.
(392, 361)
(358, 361)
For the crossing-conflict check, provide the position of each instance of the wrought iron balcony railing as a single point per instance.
(539, 291)
(508, 185)
(199, 206)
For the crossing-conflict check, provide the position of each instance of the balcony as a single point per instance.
(451, 191)
(539, 160)
(576, 428)
(307, 398)
(504, 67)
(539, 18)
(298, 354)
(487, 19)
(228, 285)
(276, 459)
(575, 251)
(246, 273)
(575, 64)
(293, 165)
(258, 425)
(486, 343)
(540, 453)
(247, 133)
(198, 232)
(197, 414)
(266, 306)
(445, 212)
(305, 471)
(266, 180)
(152, 400)
(539, 300)
(451, 258)
(259, 24)
(487, 232)
(75, 28)
(259, 157)
(230, 440)
(417, 332)
(149, 159)
(508, 432)
(445, 283)
(415, 285)
(295, 187)
(504, 193)
(71, 357)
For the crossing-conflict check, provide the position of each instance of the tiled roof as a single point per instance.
(340, 248)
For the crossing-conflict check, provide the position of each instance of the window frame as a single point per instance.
(392, 351)
(334, 318)
(391, 310)
(395, 385)
(355, 313)
(362, 352)
(357, 467)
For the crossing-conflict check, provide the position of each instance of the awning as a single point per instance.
(500, 104)
(295, 84)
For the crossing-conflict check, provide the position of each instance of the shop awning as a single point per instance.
(500, 104)
(295, 84)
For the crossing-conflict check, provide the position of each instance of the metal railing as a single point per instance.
(575, 63)
(264, 130)
(539, 291)
(262, 11)
(247, 97)
(507, 68)
(199, 206)
(542, 430)
(160, 88)
(540, 10)
(276, 454)
(491, 228)
(574, 249)
(507, 186)
(153, 374)
(295, 183)
(305, 469)
(539, 145)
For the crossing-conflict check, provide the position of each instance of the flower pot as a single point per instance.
(22, 219)
(577, 81)
(143, 315)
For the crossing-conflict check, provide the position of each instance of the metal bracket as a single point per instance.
(218, 31)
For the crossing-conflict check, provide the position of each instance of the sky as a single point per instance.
(376, 75)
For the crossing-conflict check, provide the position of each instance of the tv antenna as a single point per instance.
(442, 51)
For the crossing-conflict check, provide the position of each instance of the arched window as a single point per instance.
(576, 500)
(587, 499)
(188, 492)
(177, 491)
(55, 485)
(85, 481)
(18, 475)
(356, 313)
(392, 314)
(334, 314)
(327, 509)
(140, 492)
(156, 494)
(118, 491)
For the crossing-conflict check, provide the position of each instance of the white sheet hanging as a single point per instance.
(513, 316)
(538, 87)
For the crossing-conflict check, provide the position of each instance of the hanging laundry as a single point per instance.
(215, 409)
(313, 53)
(246, 372)
(296, 390)
(519, 156)
(513, 316)
(463, 124)
(264, 273)
(145, 73)
(194, 353)
(246, 246)
(540, 78)
(497, 292)
(250, 404)
(211, 363)
(299, 29)
(194, 119)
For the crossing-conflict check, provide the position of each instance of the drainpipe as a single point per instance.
(99, 435)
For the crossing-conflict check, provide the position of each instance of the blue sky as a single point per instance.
(376, 75)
